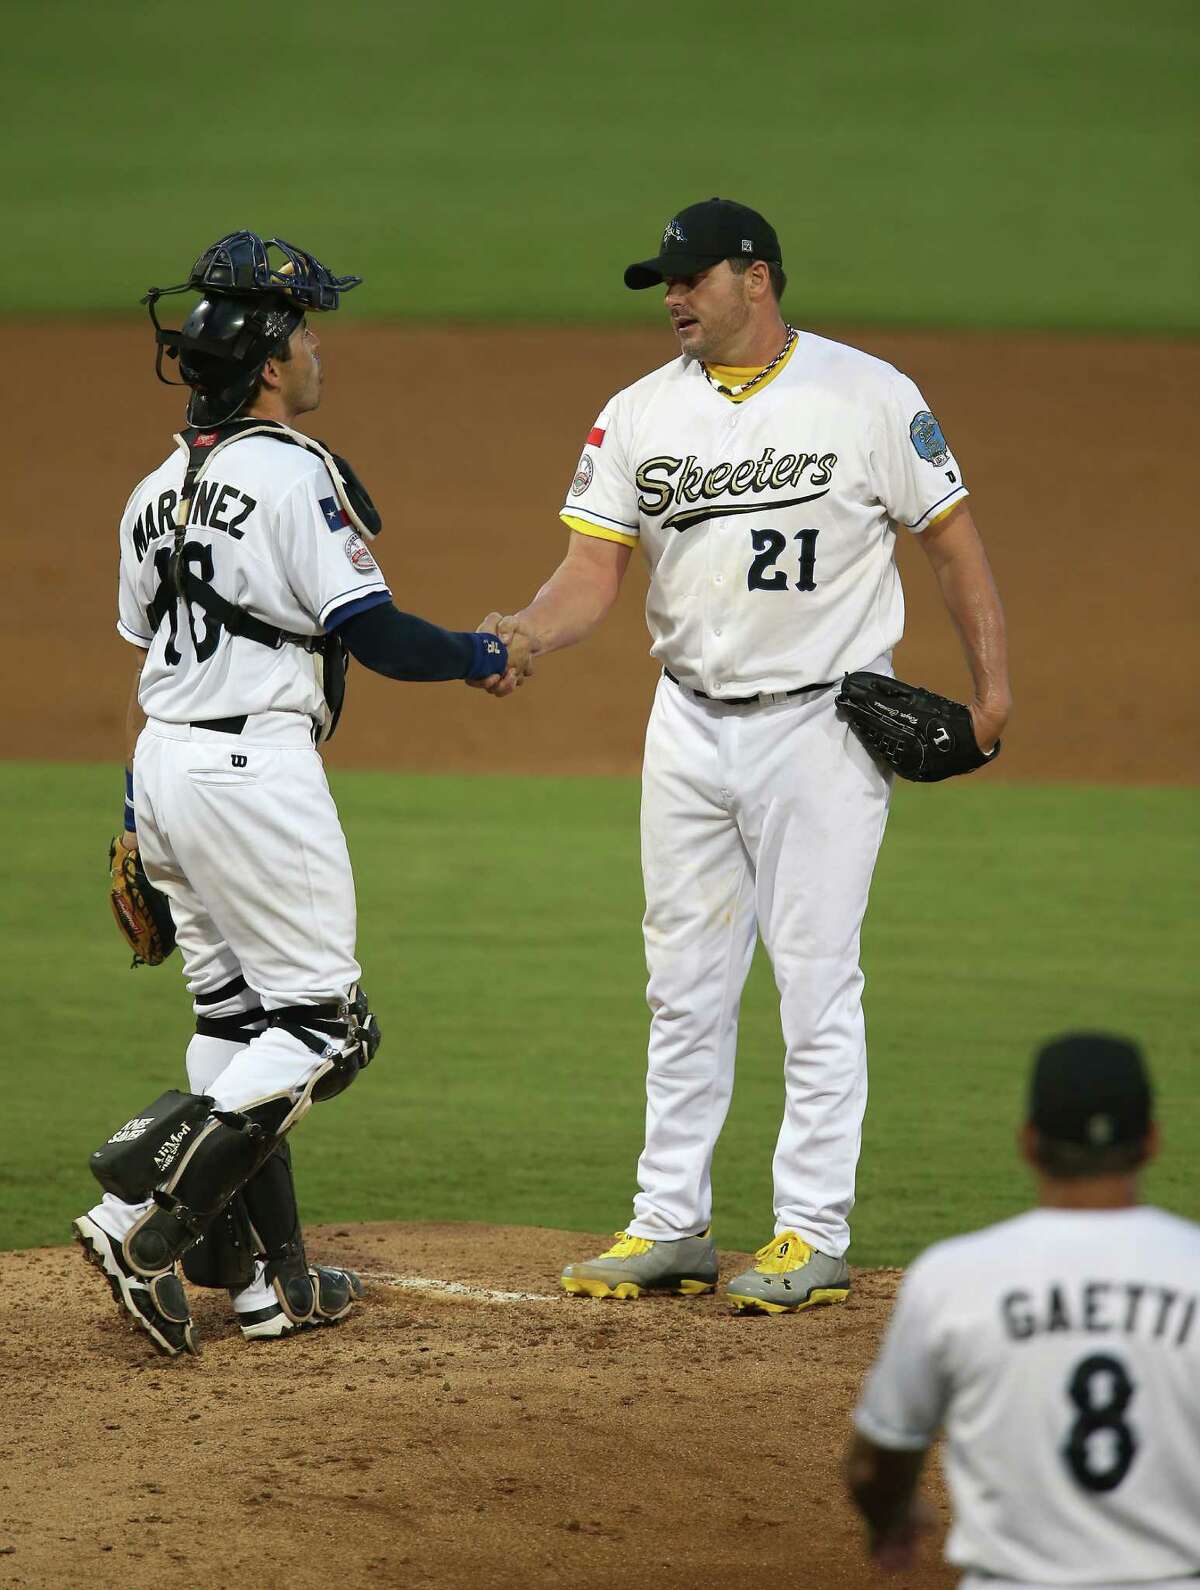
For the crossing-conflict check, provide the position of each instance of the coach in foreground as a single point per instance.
(1061, 1351)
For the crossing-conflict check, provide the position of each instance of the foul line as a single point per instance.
(425, 1283)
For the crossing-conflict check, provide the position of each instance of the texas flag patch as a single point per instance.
(335, 517)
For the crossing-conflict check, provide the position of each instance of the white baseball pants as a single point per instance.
(241, 834)
(755, 819)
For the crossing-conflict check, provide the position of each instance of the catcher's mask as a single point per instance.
(256, 292)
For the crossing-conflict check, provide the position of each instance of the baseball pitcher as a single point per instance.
(1060, 1352)
(764, 474)
(247, 576)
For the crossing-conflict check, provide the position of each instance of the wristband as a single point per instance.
(490, 656)
(129, 817)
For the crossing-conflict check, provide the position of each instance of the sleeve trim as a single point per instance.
(939, 509)
(603, 519)
(351, 595)
(132, 636)
(353, 609)
(882, 1435)
(586, 527)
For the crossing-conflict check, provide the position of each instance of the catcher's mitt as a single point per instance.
(924, 737)
(141, 911)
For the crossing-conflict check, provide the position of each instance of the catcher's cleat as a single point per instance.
(336, 1292)
(686, 1266)
(156, 1303)
(789, 1275)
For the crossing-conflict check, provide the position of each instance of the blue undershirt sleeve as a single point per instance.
(403, 646)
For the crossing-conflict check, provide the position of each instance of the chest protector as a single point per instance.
(184, 585)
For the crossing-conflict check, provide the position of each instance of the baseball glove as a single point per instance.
(141, 911)
(924, 737)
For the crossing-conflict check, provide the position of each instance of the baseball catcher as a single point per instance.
(922, 736)
(247, 578)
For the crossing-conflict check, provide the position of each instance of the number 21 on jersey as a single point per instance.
(767, 574)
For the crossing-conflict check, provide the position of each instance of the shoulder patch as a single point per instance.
(927, 438)
(583, 476)
(361, 560)
(335, 517)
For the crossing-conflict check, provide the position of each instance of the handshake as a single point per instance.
(522, 646)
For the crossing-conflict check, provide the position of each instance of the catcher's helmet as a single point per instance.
(251, 306)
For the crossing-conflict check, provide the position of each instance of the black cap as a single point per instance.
(703, 235)
(1090, 1088)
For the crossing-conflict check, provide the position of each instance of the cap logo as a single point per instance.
(674, 233)
(1100, 1130)
(747, 246)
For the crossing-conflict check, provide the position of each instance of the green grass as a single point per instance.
(499, 932)
(958, 163)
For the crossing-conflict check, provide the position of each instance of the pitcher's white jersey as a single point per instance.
(267, 531)
(1061, 1350)
(769, 524)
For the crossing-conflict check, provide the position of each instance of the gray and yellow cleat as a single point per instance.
(789, 1275)
(633, 1265)
(155, 1303)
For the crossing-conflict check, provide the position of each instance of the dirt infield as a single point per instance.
(436, 1439)
(1075, 450)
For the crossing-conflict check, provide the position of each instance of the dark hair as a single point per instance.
(281, 352)
(1075, 1161)
(739, 265)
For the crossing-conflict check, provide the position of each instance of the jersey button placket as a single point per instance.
(721, 584)
(717, 598)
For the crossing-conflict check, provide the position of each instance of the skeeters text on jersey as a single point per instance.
(769, 524)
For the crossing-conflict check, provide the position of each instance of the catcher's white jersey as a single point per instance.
(267, 531)
(769, 524)
(1061, 1351)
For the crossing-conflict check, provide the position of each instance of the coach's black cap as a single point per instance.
(1090, 1088)
(703, 235)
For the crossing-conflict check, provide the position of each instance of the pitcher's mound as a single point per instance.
(469, 1424)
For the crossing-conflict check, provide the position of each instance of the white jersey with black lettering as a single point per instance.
(267, 531)
(769, 524)
(1061, 1352)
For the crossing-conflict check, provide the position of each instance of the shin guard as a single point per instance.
(218, 1161)
(308, 1294)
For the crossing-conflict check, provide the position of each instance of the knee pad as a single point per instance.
(141, 1153)
(346, 1035)
(190, 1159)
